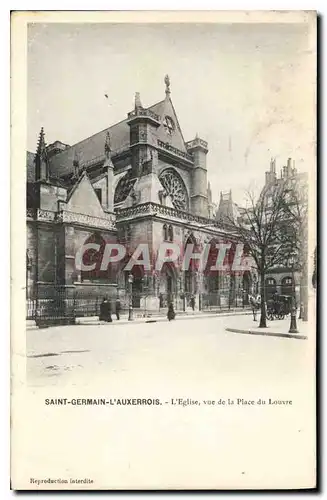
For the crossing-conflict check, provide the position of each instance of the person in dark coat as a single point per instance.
(171, 312)
(105, 311)
(118, 308)
(192, 302)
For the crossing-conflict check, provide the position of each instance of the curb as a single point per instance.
(268, 334)
(155, 319)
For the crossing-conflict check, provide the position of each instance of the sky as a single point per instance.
(247, 89)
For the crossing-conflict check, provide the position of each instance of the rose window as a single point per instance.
(175, 188)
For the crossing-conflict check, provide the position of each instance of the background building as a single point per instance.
(290, 276)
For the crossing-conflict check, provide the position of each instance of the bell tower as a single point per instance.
(143, 124)
(198, 148)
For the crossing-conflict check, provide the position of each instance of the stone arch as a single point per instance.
(123, 188)
(92, 256)
(168, 280)
(212, 278)
(170, 233)
(190, 273)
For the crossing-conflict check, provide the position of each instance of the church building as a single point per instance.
(137, 181)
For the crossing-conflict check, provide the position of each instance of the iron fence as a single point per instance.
(62, 305)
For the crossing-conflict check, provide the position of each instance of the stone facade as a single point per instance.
(136, 182)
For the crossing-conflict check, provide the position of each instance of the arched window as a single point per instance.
(170, 233)
(165, 232)
(175, 188)
(123, 189)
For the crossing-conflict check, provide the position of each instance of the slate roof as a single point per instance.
(93, 147)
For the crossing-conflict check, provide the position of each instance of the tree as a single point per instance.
(266, 230)
(296, 216)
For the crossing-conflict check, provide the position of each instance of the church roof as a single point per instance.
(92, 148)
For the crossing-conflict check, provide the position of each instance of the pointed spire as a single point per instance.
(138, 103)
(107, 151)
(107, 145)
(41, 145)
(41, 158)
(197, 136)
(76, 163)
(167, 83)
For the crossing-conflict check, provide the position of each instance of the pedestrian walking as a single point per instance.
(171, 312)
(105, 311)
(254, 302)
(118, 308)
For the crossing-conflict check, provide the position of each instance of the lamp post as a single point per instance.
(130, 301)
(293, 325)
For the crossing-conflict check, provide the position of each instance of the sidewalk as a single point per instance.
(94, 320)
(275, 328)
(154, 318)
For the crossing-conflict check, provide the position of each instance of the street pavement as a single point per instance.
(159, 350)
(275, 327)
(209, 445)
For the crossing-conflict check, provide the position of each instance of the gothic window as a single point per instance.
(123, 188)
(94, 257)
(170, 233)
(175, 188)
(165, 232)
(98, 192)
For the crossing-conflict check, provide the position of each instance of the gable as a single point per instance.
(83, 199)
(163, 109)
(93, 147)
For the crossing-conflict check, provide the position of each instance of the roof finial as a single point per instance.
(107, 145)
(167, 82)
(41, 158)
(41, 145)
(138, 103)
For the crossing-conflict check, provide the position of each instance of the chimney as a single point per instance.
(289, 167)
(273, 165)
(138, 103)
